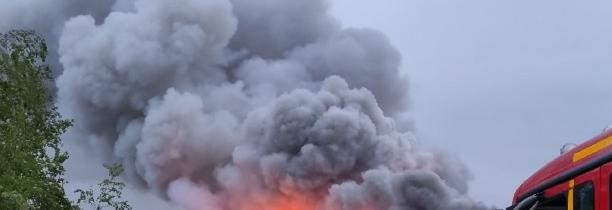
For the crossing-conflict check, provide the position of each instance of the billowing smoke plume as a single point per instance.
(241, 104)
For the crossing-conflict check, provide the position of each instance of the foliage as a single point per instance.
(31, 160)
(109, 193)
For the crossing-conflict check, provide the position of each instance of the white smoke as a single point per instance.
(272, 102)
(193, 197)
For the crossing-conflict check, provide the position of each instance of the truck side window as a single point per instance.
(584, 198)
(558, 202)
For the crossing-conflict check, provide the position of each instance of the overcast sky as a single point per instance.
(502, 84)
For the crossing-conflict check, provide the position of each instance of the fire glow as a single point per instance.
(284, 203)
(296, 203)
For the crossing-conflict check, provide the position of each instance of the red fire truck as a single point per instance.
(579, 179)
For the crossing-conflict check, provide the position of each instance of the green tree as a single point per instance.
(108, 193)
(31, 160)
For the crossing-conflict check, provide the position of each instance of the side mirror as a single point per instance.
(529, 203)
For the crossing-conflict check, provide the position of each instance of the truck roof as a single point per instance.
(579, 157)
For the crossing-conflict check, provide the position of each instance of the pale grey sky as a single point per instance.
(502, 84)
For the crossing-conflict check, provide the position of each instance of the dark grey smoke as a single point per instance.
(272, 28)
(405, 190)
(271, 101)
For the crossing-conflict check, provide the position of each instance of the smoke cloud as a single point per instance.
(272, 102)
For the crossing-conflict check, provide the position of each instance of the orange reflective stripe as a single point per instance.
(590, 150)
(570, 196)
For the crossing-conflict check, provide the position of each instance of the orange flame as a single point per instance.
(292, 204)
(283, 203)
(280, 201)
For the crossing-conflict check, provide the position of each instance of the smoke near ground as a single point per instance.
(272, 102)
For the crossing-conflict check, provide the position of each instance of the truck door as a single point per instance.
(605, 196)
(583, 192)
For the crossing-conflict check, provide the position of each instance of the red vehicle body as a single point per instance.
(579, 179)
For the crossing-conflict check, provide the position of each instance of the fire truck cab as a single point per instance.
(579, 179)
